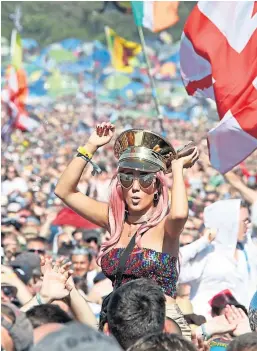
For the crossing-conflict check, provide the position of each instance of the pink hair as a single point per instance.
(117, 214)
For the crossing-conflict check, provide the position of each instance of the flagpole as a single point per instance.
(154, 92)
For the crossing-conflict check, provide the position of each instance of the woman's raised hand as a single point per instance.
(188, 159)
(102, 134)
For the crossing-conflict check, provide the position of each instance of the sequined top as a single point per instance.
(144, 263)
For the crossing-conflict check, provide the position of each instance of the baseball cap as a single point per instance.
(75, 336)
(25, 265)
(91, 235)
(20, 329)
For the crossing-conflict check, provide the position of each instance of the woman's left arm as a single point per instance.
(178, 214)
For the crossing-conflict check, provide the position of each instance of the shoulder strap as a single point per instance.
(123, 260)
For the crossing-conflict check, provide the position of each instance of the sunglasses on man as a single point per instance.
(37, 251)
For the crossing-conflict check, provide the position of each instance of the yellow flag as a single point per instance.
(16, 49)
(122, 51)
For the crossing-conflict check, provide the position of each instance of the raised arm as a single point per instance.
(189, 252)
(177, 217)
(247, 193)
(66, 188)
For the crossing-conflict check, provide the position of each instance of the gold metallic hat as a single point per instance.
(144, 150)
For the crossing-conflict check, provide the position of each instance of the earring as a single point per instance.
(155, 199)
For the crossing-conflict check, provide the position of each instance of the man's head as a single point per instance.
(11, 173)
(72, 336)
(220, 301)
(81, 259)
(244, 342)
(16, 329)
(47, 313)
(37, 245)
(92, 239)
(136, 309)
(162, 341)
(10, 245)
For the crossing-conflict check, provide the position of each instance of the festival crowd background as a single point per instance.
(36, 225)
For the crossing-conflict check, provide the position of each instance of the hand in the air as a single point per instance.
(210, 234)
(188, 160)
(102, 134)
(237, 316)
(55, 278)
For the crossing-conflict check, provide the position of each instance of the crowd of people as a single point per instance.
(52, 287)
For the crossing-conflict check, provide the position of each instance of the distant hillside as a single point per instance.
(51, 21)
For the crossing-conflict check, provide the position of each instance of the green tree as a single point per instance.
(52, 21)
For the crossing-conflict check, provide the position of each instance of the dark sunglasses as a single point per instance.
(10, 291)
(40, 252)
(127, 180)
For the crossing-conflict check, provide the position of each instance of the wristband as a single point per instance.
(39, 299)
(96, 168)
(204, 333)
(83, 151)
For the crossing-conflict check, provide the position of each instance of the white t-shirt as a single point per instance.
(8, 186)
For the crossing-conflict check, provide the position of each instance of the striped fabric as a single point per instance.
(218, 59)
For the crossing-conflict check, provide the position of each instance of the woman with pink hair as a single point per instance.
(138, 207)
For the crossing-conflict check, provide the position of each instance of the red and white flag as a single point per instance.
(15, 93)
(218, 58)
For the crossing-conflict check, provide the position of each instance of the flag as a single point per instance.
(15, 93)
(122, 51)
(218, 60)
(16, 49)
(155, 15)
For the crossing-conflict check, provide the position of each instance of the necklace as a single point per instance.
(141, 220)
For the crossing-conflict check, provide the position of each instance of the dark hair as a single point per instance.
(219, 302)
(77, 251)
(245, 342)
(38, 239)
(78, 230)
(162, 342)
(47, 313)
(135, 309)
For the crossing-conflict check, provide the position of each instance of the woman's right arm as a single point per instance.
(66, 188)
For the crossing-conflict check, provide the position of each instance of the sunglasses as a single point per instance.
(145, 180)
(40, 252)
(9, 291)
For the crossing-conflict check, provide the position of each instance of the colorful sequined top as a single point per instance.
(144, 263)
